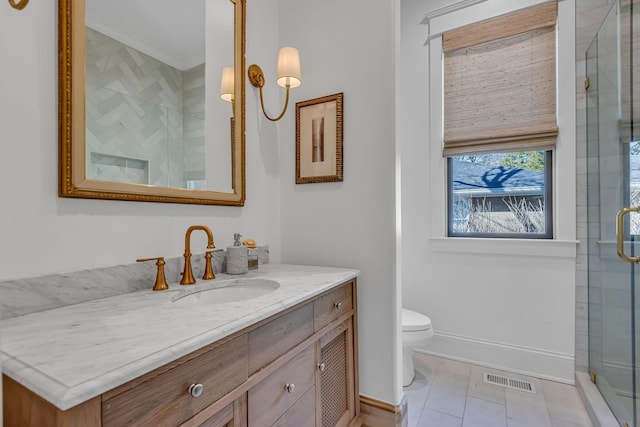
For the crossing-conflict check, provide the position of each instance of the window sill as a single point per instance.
(517, 247)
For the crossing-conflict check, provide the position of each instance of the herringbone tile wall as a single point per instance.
(136, 108)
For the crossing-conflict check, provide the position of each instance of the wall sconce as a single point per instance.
(227, 86)
(19, 4)
(288, 76)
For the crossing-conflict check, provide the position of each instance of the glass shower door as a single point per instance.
(613, 185)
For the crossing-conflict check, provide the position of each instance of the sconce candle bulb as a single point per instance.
(289, 76)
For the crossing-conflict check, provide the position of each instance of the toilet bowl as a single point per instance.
(416, 331)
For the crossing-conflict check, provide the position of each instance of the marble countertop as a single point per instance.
(71, 354)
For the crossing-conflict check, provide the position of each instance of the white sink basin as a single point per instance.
(233, 290)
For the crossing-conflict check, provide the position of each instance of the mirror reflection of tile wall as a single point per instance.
(193, 126)
(144, 118)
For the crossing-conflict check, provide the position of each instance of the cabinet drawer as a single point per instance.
(273, 339)
(269, 399)
(301, 414)
(330, 306)
(164, 399)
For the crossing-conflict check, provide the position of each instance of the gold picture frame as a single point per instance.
(319, 131)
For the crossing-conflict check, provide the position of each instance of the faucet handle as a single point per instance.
(161, 281)
(208, 268)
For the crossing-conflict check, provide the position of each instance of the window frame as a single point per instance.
(548, 207)
(565, 199)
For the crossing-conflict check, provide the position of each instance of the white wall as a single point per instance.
(504, 303)
(41, 233)
(349, 47)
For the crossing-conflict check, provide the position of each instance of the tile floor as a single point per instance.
(446, 393)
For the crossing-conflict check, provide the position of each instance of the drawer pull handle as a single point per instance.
(322, 367)
(338, 305)
(195, 390)
(290, 387)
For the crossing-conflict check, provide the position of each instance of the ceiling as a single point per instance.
(168, 30)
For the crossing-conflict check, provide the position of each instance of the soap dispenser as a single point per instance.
(237, 257)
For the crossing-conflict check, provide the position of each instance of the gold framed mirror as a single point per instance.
(118, 140)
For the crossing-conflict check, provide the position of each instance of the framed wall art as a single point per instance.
(319, 129)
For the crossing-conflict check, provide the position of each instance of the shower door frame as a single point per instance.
(612, 280)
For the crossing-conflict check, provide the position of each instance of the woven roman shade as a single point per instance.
(500, 83)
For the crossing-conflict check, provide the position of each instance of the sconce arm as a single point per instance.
(286, 104)
(18, 4)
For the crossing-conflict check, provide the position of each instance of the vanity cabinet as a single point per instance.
(295, 368)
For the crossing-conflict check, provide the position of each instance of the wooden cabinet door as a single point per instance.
(301, 414)
(232, 415)
(335, 377)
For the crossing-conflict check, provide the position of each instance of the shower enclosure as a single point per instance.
(613, 189)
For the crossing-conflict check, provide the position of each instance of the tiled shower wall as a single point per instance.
(137, 111)
(589, 16)
(194, 128)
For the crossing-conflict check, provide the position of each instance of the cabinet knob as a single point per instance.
(195, 390)
(322, 367)
(338, 305)
(290, 387)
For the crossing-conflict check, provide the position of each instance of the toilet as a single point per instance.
(416, 331)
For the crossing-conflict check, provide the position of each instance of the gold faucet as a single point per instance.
(187, 274)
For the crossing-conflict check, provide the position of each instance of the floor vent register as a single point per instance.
(509, 382)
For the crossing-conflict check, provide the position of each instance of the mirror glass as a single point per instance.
(147, 119)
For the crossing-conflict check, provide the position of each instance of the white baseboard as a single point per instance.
(527, 361)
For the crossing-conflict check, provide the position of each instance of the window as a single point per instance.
(500, 124)
(500, 195)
